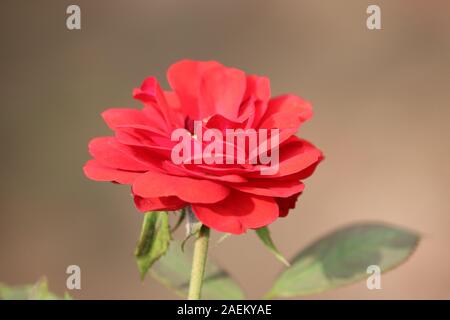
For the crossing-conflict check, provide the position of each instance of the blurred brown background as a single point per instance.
(382, 112)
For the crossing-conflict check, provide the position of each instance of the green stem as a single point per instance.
(198, 264)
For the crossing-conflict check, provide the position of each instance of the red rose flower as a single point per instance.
(225, 197)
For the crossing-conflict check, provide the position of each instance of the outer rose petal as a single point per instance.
(157, 105)
(110, 153)
(154, 185)
(139, 138)
(238, 212)
(285, 204)
(95, 171)
(163, 203)
(183, 171)
(296, 107)
(297, 155)
(305, 173)
(271, 188)
(122, 116)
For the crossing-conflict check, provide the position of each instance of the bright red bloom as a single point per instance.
(228, 197)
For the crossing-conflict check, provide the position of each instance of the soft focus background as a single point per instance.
(382, 115)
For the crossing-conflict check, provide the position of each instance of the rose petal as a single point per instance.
(285, 204)
(258, 90)
(122, 116)
(271, 188)
(281, 107)
(221, 92)
(163, 203)
(181, 170)
(151, 94)
(295, 156)
(185, 78)
(110, 153)
(95, 171)
(238, 212)
(154, 185)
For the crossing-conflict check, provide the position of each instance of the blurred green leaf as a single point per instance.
(154, 240)
(174, 271)
(37, 291)
(343, 256)
(264, 234)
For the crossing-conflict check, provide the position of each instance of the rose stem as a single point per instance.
(198, 264)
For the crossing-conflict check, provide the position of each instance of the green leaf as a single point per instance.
(154, 240)
(37, 291)
(174, 271)
(264, 234)
(342, 257)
